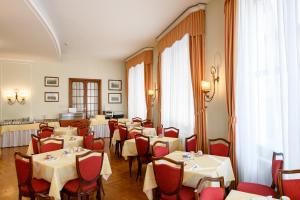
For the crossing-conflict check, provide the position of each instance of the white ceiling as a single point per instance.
(101, 29)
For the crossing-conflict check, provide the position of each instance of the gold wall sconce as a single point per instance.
(152, 93)
(206, 85)
(16, 96)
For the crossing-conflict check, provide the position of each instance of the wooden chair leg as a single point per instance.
(139, 169)
(130, 158)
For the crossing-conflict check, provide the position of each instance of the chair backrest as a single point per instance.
(159, 130)
(99, 144)
(40, 196)
(219, 147)
(89, 166)
(35, 140)
(277, 164)
(83, 130)
(142, 144)
(46, 132)
(160, 149)
(43, 125)
(168, 175)
(204, 193)
(171, 132)
(191, 143)
(147, 123)
(112, 123)
(123, 132)
(134, 132)
(51, 144)
(137, 119)
(23, 165)
(289, 187)
(88, 141)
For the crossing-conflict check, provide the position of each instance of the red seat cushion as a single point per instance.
(73, 186)
(291, 188)
(38, 185)
(258, 189)
(159, 152)
(210, 193)
(186, 193)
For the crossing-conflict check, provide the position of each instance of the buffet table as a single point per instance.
(19, 134)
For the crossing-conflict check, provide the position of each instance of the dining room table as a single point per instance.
(59, 167)
(69, 130)
(69, 142)
(238, 195)
(145, 131)
(196, 166)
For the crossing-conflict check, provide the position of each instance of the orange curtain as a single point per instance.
(230, 23)
(194, 25)
(147, 58)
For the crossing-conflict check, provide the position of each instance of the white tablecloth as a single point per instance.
(60, 171)
(16, 138)
(146, 131)
(100, 130)
(195, 169)
(65, 131)
(69, 142)
(237, 195)
(129, 148)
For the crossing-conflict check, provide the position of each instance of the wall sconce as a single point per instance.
(152, 93)
(16, 96)
(206, 85)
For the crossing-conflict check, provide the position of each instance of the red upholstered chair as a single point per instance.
(88, 141)
(289, 187)
(35, 140)
(143, 149)
(83, 130)
(51, 144)
(171, 132)
(133, 132)
(264, 190)
(159, 130)
(137, 119)
(43, 125)
(112, 124)
(191, 143)
(219, 147)
(169, 176)
(123, 136)
(160, 149)
(147, 123)
(40, 196)
(210, 193)
(46, 132)
(27, 185)
(89, 166)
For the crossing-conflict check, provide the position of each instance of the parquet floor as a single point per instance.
(119, 185)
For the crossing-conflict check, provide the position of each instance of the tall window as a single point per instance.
(177, 102)
(268, 86)
(136, 92)
(85, 96)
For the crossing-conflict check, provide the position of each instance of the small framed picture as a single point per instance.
(115, 85)
(51, 97)
(114, 98)
(51, 81)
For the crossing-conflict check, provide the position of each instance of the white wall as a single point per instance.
(215, 55)
(30, 76)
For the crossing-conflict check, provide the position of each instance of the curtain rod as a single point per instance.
(177, 18)
(137, 52)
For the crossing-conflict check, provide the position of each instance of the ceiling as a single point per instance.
(101, 29)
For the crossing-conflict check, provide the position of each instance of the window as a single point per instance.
(267, 87)
(136, 92)
(177, 102)
(85, 96)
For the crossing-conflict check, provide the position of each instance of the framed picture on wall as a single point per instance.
(51, 81)
(51, 97)
(114, 98)
(115, 85)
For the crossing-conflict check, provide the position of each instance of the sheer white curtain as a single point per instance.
(177, 103)
(136, 92)
(268, 86)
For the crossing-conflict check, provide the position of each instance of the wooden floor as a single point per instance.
(119, 185)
